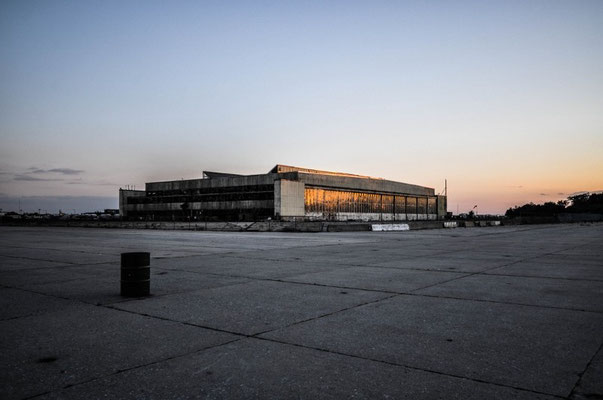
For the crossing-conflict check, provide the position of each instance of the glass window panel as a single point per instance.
(387, 204)
(422, 205)
(333, 201)
(400, 204)
(432, 206)
(411, 205)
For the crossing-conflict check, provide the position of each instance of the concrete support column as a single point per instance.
(289, 198)
(442, 207)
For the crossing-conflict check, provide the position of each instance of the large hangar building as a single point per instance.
(285, 193)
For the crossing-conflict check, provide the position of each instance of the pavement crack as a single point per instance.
(36, 259)
(581, 374)
(175, 321)
(427, 370)
(324, 315)
(559, 278)
(405, 293)
(484, 271)
(502, 302)
(139, 366)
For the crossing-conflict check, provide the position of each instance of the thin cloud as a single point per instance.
(82, 182)
(28, 178)
(560, 194)
(66, 171)
(543, 194)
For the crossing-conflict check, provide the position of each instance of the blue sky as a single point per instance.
(503, 99)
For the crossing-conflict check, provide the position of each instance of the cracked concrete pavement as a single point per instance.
(497, 312)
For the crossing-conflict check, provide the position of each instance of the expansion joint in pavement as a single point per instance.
(485, 271)
(581, 374)
(413, 293)
(556, 278)
(407, 366)
(121, 371)
(36, 259)
(402, 293)
(326, 315)
(503, 302)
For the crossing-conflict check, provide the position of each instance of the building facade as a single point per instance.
(286, 193)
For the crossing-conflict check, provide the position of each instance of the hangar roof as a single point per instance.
(280, 168)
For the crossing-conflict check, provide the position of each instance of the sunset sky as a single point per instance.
(502, 98)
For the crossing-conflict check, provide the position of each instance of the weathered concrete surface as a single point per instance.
(563, 293)
(254, 307)
(386, 279)
(590, 385)
(504, 344)
(79, 343)
(269, 370)
(569, 270)
(496, 312)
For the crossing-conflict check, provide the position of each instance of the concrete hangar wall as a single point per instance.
(286, 193)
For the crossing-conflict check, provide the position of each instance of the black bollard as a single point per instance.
(135, 274)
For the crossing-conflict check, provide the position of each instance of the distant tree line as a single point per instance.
(580, 203)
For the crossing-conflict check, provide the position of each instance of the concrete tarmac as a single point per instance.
(477, 313)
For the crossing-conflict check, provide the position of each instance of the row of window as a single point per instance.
(212, 190)
(317, 201)
(334, 201)
(202, 198)
(203, 215)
